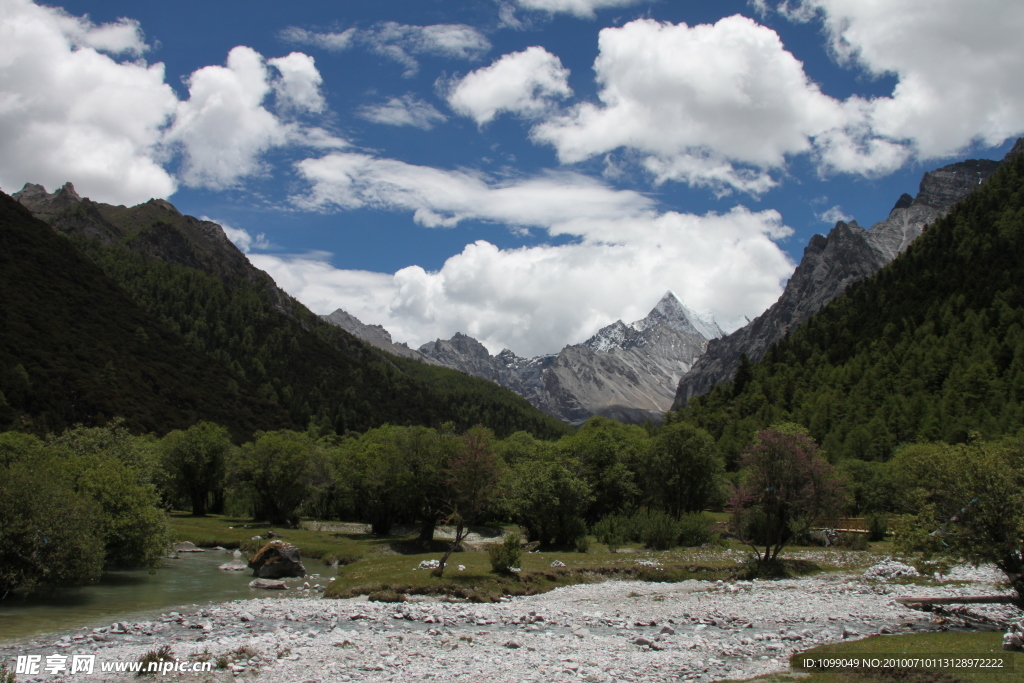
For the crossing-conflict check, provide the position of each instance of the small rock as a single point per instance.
(268, 584)
(187, 547)
(512, 645)
(668, 631)
(558, 563)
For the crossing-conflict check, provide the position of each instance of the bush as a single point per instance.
(583, 543)
(853, 541)
(660, 530)
(505, 555)
(878, 527)
(694, 530)
(613, 531)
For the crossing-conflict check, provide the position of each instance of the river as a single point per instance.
(130, 595)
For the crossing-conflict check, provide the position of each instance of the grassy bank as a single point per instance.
(371, 564)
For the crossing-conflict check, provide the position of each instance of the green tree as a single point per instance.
(549, 500)
(50, 534)
(107, 465)
(968, 502)
(685, 471)
(193, 461)
(277, 473)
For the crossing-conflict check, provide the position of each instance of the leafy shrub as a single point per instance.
(694, 530)
(613, 531)
(853, 541)
(583, 543)
(660, 530)
(878, 527)
(505, 555)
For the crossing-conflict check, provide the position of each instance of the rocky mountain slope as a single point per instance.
(627, 372)
(830, 264)
(375, 335)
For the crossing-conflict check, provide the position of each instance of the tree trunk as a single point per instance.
(451, 549)
(198, 504)
(427, 526)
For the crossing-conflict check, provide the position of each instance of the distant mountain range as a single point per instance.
(638, 371)
(625, 371)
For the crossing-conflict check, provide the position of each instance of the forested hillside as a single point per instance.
(75, 348)
(930, 348)
(264, 348)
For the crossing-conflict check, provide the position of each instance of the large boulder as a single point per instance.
(277, 560)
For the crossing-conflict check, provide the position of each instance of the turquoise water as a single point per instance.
(132, 595)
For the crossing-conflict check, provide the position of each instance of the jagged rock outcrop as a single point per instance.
(832, 263)
(375, 335)
(626, 372)
(155, 228)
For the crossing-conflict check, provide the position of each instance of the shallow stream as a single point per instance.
(130, 595)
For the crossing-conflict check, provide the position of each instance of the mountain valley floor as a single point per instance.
(610, 631)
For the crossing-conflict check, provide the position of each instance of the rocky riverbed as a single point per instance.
(613, 631)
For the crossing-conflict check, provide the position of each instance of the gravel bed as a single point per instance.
(612, 631)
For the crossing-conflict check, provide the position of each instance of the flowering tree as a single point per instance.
(471, 479)
(788, 487)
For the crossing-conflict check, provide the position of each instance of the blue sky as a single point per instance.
(524, 171)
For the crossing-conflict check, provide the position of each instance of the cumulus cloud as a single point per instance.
(401, 42)
(533, 299)
(241, 237)
(697, 101)
(68, 111)
(958, 67)
(407, 110)
(224, 127)
(522, 83)
(585, 9)
(298, 87)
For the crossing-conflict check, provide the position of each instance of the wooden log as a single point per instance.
(963, 600)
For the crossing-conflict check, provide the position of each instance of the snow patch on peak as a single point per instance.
(609, 337)
(676, 315)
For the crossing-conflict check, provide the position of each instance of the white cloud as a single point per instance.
(241, 237)
(697, 101)
(581, 8)
(224, 127)
(401, 42)
(334, 42)
(958, 67)
(558, 202)
(298, 88)
(519, 83)
(536, 299)
(407, 110)
(833, 215)
(70, 112)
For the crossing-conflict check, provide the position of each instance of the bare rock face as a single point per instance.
(375, 335)
(276, 560)
(832, 263)
(627, 372)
